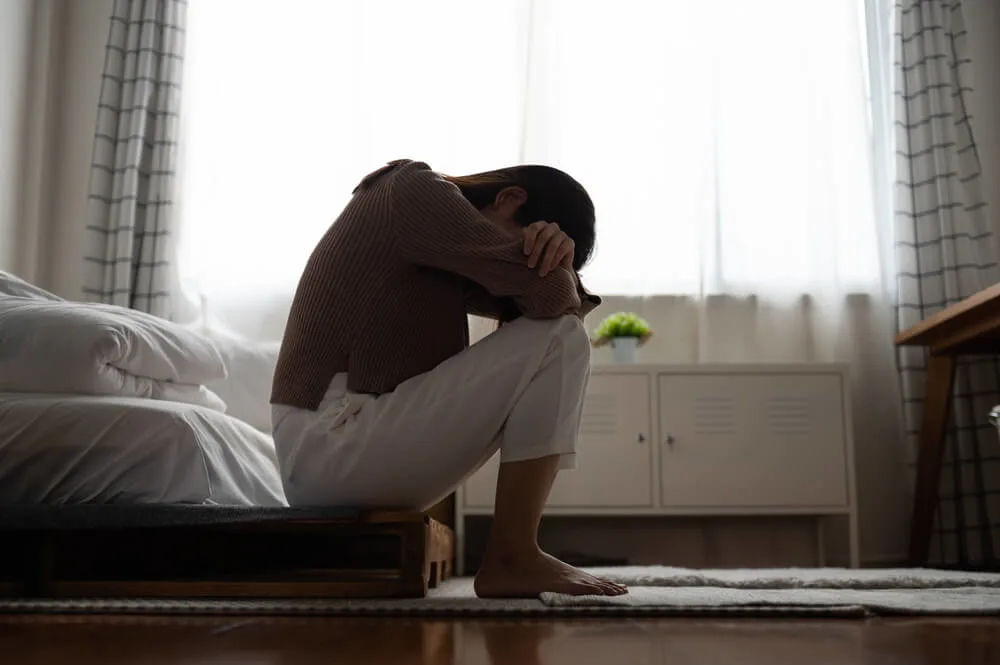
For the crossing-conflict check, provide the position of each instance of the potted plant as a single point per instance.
(625, 332)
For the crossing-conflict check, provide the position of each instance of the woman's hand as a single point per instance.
(547, 247)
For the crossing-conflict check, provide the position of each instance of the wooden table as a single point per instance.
(971, 326)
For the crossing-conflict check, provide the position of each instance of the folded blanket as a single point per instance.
(55, 346)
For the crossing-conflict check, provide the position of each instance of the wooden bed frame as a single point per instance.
(371, 555)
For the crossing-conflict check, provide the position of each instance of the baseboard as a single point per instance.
(884, 561)
(901, 561)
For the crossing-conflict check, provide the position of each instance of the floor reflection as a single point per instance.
(302, 641)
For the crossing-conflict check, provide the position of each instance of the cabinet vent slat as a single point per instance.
(715, 414)
(789, 414)
(600, 417)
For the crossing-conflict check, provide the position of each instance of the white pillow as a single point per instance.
(46, 329)
(56, 346)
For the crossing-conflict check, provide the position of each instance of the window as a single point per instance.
(727, 145)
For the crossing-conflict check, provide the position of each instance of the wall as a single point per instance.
(86, 30)
(51, 58)
(15, 61)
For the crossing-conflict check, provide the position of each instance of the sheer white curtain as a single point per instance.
(729, 148)
(725, 144)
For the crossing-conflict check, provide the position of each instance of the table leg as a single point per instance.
(939, 380)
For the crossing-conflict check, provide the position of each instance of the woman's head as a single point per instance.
(522, 195)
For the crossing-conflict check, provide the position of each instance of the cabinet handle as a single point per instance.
(669, 440)
(641, 438)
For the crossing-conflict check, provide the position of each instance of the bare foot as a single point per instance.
(527, 576)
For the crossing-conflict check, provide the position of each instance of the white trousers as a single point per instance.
(519, 390)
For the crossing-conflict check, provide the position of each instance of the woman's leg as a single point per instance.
(548, 410)
(520, 389)
(514, 566)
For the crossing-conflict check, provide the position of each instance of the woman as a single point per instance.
(378, 400)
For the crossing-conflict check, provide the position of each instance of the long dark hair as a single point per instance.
(553, 196)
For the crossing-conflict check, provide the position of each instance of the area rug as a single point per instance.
(654, 591)
(917, 591)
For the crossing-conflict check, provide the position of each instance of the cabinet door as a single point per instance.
(614, 451)
(752, 441)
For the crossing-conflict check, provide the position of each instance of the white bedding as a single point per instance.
(250, 368)
(56, 346)
(76, 449)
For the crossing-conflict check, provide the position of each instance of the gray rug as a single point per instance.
(655, 591)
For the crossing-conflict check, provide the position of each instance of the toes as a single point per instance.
(613, 588)
(606, 588)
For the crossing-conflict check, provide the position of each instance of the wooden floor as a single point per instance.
(84, 640)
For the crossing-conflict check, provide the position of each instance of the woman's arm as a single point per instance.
(479, 302)
(436, 227)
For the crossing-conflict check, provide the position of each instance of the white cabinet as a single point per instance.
(752, 441)
(614, 451)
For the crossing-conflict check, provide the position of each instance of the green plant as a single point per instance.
(622, 324)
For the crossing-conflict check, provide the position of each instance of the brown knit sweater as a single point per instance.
(385, 294)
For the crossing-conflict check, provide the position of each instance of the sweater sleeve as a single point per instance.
(479, 302)
(435, 226)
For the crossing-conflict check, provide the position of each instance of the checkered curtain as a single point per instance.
(945, 252)
(130, 220)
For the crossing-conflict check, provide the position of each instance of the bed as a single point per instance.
(62, 449)
(135, 460)
(106, 496)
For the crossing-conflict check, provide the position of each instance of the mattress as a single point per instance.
(75, 449)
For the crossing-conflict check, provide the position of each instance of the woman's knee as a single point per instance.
(572, 327)
(564, 335)
(572, 336)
